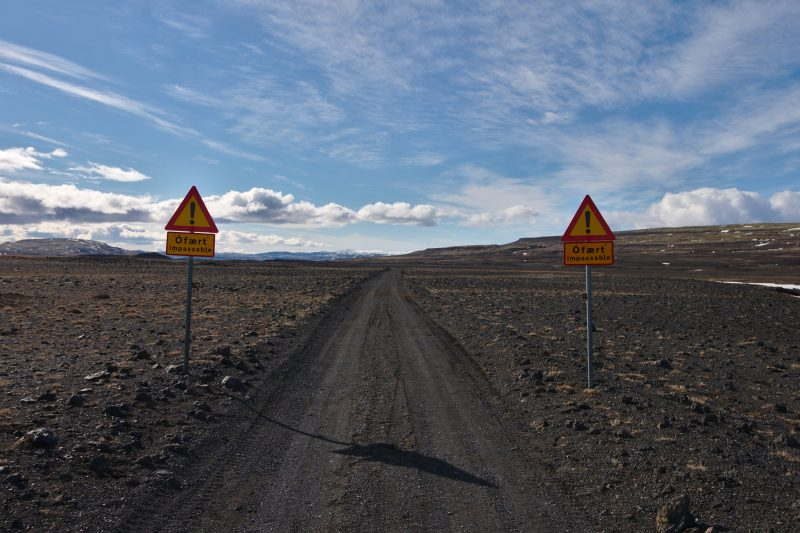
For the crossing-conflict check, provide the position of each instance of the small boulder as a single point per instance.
(232, 383)
(675, 516)
(97, 376)
(48, 396)
(224, 351)
(76, 400)
(119, 410)
(37, 438)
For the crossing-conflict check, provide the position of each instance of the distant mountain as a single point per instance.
(74, 247)
(60, 248)
(341, 255)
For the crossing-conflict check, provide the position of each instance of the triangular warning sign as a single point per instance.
(588, 225)
(192, 215)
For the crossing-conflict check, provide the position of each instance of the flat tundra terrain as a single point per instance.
(379, 398)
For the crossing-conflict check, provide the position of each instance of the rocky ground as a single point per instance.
(696, 387)
(696, 382)
(93, 407)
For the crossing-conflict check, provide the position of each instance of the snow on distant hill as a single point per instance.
(60, 248)
(75, 247)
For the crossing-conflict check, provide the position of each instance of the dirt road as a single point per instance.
(380, 422)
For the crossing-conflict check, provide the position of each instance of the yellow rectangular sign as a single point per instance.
(190, 244)
(589, 253)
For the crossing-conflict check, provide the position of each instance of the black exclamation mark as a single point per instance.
(191, 214)
(588, 215)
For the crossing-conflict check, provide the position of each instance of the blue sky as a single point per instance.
(394, 126)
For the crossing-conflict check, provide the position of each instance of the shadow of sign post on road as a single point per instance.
(392, 455)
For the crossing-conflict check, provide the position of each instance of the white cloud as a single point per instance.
(478, 189)
(708, 206)
(272, 207)
(787, 205)
(399, 213)
(95, 170)
(12, 159)
(130, 234)
(516, 214)
(25, 203)
(234, 239)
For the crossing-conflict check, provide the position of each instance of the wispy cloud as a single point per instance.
(94, 170)
(152, 114)
(234, 240)
(516, 214)
(266, 111)
(190, 25)
(729, 41)
(36, 58)
(106, 98)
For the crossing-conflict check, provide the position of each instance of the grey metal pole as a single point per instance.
(589, 323)
(188, 318)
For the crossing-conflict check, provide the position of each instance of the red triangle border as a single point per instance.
(172, 226)
(588, 238)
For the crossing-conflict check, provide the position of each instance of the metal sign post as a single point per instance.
(192, 216)
(188, 316)
(588, 241)
(589, 324)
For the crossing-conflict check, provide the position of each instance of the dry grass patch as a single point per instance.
(788, 455)
(633, 376)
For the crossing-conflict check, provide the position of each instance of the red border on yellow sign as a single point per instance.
(589, 253)
(190, 244)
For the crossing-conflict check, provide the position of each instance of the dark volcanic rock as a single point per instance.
(76, 400)
(232, 383)
(99, 465)
(37, 438)
(118, 410)
(48, 396)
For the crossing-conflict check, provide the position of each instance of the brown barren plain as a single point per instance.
(696, 390)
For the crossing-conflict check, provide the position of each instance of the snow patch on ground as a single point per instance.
(788, 286)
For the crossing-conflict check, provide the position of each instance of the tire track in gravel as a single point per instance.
(382, 422)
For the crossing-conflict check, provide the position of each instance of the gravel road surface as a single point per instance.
(379, 422)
